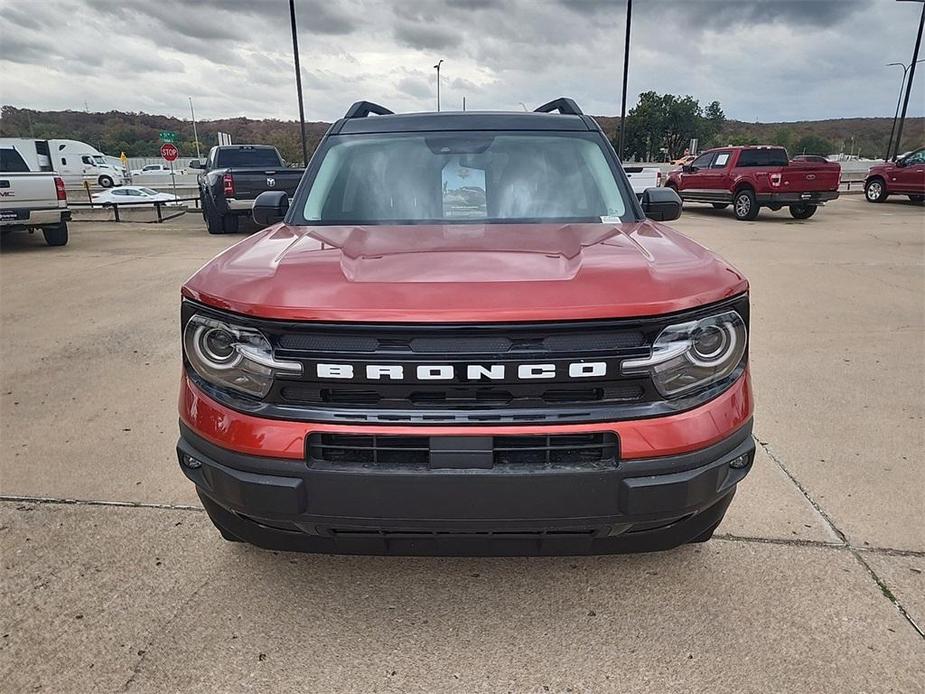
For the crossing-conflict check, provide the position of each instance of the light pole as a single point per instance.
(626, 68)
(298, 80)
(899, 101)
(437, 68)
(915, 59)
(195, 134)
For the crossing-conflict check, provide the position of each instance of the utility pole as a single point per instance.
(195, 134)
(899, 101)
(626, 68)
(915, 60)
(437, 68)
(298, 80)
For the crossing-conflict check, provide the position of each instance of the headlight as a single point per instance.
(692, 355)
(233, 356)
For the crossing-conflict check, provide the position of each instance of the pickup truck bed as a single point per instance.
(233, 176)
(32, 199)
(642, 177)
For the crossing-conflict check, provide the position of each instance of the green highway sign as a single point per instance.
(168, 136)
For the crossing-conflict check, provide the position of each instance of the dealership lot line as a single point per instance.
(800, 591)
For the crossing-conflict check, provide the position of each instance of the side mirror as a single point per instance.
(661, 204)
(687, 168)
(270, 207)
(900, 163)
(196, 164)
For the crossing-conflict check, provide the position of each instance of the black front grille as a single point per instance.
(460, 399)
(419, 396)
(489, 451)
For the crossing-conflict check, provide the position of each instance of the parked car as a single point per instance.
(31, 199)
(643, 178)
(157, 169)
(463, 335)
(132, 195)
(233, 175)
(905, 176)
(757, 176)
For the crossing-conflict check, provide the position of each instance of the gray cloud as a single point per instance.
(426, 35)
(234, 56)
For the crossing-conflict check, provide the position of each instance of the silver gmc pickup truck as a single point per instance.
(31, 199)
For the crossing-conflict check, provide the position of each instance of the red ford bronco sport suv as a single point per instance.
(464, 336)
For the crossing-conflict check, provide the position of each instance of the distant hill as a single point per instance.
(136, 134)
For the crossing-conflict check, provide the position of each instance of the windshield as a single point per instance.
(461, 177)
(248, 156)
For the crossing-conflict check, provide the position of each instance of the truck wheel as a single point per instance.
(802, 211)
(55, 235)
(745, 205)
(917, 198)
(720, 205)
(874, 190)
(106, 181)
(213, 218)
(230, 223)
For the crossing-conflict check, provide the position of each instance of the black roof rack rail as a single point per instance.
(564, 105)
(361, 109)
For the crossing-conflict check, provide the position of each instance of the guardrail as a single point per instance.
(158, 206)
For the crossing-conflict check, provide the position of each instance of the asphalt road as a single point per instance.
(114, 580)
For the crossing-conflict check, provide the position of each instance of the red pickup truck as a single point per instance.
(756, 176)
(905, 176)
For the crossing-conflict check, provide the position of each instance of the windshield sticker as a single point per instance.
(463, 191)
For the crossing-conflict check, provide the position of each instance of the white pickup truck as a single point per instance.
(31, 199)
(642, 177)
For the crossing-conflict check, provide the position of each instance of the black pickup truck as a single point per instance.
(233, 176)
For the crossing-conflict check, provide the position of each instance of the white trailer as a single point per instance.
(72, 160)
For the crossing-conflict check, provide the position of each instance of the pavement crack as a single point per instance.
(143, 652)
(12, 498)
(855, 552)
(779, 541)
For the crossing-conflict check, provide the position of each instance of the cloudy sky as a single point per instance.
(763, 60)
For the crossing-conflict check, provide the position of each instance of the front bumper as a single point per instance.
(810, 198)
(629, 506)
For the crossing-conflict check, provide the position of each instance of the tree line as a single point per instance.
(658, 128)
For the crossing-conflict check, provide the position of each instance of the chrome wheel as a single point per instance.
(874, 190)
(743, 205)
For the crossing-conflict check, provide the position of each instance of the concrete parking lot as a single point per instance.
(113, 578)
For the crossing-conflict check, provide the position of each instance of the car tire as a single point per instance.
(214, 222)
(917, 198)
(56, 235)
(105, 181)
(745, 205)
(802, 211)
(875, 190)
(720, 205)
(230, 223)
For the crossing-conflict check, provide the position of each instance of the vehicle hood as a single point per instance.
(881, 168)
(464, 272)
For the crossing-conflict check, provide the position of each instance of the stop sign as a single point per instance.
(169, 151)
